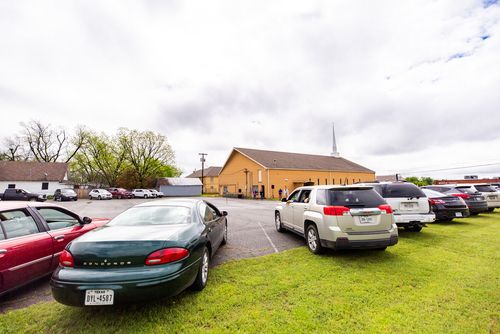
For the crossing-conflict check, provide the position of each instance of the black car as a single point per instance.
(446, 207)
(474, 200)
(152, 250)
(65, 195)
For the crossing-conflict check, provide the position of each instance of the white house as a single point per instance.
(37, 177)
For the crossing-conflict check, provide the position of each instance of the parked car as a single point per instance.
(32, 235)
(120, 193)
(152, 250)
(141, 193)
(100, 194)
(409, 204)
(12, 194)
(151, 193)
(338, 217)
(474, 200)
(496, 186)
(491, 195)
(157, 193)
(65, 194)
(446, 207)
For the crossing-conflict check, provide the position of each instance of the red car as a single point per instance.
(32, 236)
(120, 193)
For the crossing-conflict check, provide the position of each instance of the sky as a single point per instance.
(412, 86)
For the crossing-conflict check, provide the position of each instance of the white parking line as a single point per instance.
(267, 236)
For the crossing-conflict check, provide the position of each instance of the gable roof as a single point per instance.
(287, 160)
(178, 181)
(32, 171)
(209, 171)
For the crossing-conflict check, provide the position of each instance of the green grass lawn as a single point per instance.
(442, 280)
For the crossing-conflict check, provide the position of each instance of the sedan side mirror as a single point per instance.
(224, 213)
(86, 220)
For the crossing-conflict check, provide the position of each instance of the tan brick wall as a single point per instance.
(232, 177)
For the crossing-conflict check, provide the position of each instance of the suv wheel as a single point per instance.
(277, 222)
(312, 238)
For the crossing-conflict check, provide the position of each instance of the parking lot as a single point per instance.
(251, 233)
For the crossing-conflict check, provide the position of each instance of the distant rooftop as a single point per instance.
(209, 171)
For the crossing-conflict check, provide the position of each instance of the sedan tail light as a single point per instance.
(336, 210)
(434, 201)
(461, 195)
(66, 259)
(166, 255)
(385, 208)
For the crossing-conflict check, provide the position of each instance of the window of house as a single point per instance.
(318, 181)
(260, 175)
(45, 185)
(326, 181)
(11, 186)
(211, 179)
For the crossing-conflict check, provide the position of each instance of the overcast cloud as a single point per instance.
(411, 85)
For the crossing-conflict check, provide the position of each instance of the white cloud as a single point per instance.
(401, 79)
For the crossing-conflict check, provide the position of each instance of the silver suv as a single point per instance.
(338, 217)
(410, 205)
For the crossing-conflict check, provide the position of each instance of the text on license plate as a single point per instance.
(366, 219)
(99, 297)
(458, 214)
(492, 197)
(408, 206)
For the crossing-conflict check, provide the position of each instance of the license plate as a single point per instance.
(99, 297)
(365, 219)
(458, 214)
(492, 197)
(408, 206)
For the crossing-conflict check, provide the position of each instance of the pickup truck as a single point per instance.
(12, 194)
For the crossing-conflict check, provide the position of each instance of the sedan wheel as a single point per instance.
(99, 197)
(202, 277)
(312, 238)
(277, 222)
(224, 236)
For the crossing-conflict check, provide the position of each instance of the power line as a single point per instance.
(453, 168)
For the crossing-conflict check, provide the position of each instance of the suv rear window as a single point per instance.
(398, 190)
(354, 198)
(485, 189)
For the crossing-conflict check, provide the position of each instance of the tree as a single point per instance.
(44, 143)
(148, 154)
(423, 181)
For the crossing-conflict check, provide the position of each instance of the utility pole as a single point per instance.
(246, 171)
(202, 159)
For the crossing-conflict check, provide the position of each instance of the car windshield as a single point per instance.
(354, 198)
(485, 189)
(153, 215)
(398, 190)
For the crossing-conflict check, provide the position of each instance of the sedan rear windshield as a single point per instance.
(355, 198)
(485, 189)
(153, 215)
(399, 190)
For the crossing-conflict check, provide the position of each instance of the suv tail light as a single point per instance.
(66, 259)
(433, 201)
(336, 210)
(385, 208)
(166, 255)
(461, 195)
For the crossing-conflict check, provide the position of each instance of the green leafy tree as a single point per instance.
(423, 181)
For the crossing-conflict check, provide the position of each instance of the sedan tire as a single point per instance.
(313, 241)
(202, 277)
(224, 235)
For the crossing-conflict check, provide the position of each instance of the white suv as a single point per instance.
(338, 217)
(409, 204)
(141, 193)
(490, 193)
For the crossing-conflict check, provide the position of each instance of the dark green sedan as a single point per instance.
(152, 250)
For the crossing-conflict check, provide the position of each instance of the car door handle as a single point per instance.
(3, 251)
(59, 238)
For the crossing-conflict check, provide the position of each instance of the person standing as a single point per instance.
(286, 192)
(280, 192)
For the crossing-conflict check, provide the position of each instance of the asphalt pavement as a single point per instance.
(251, 233)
